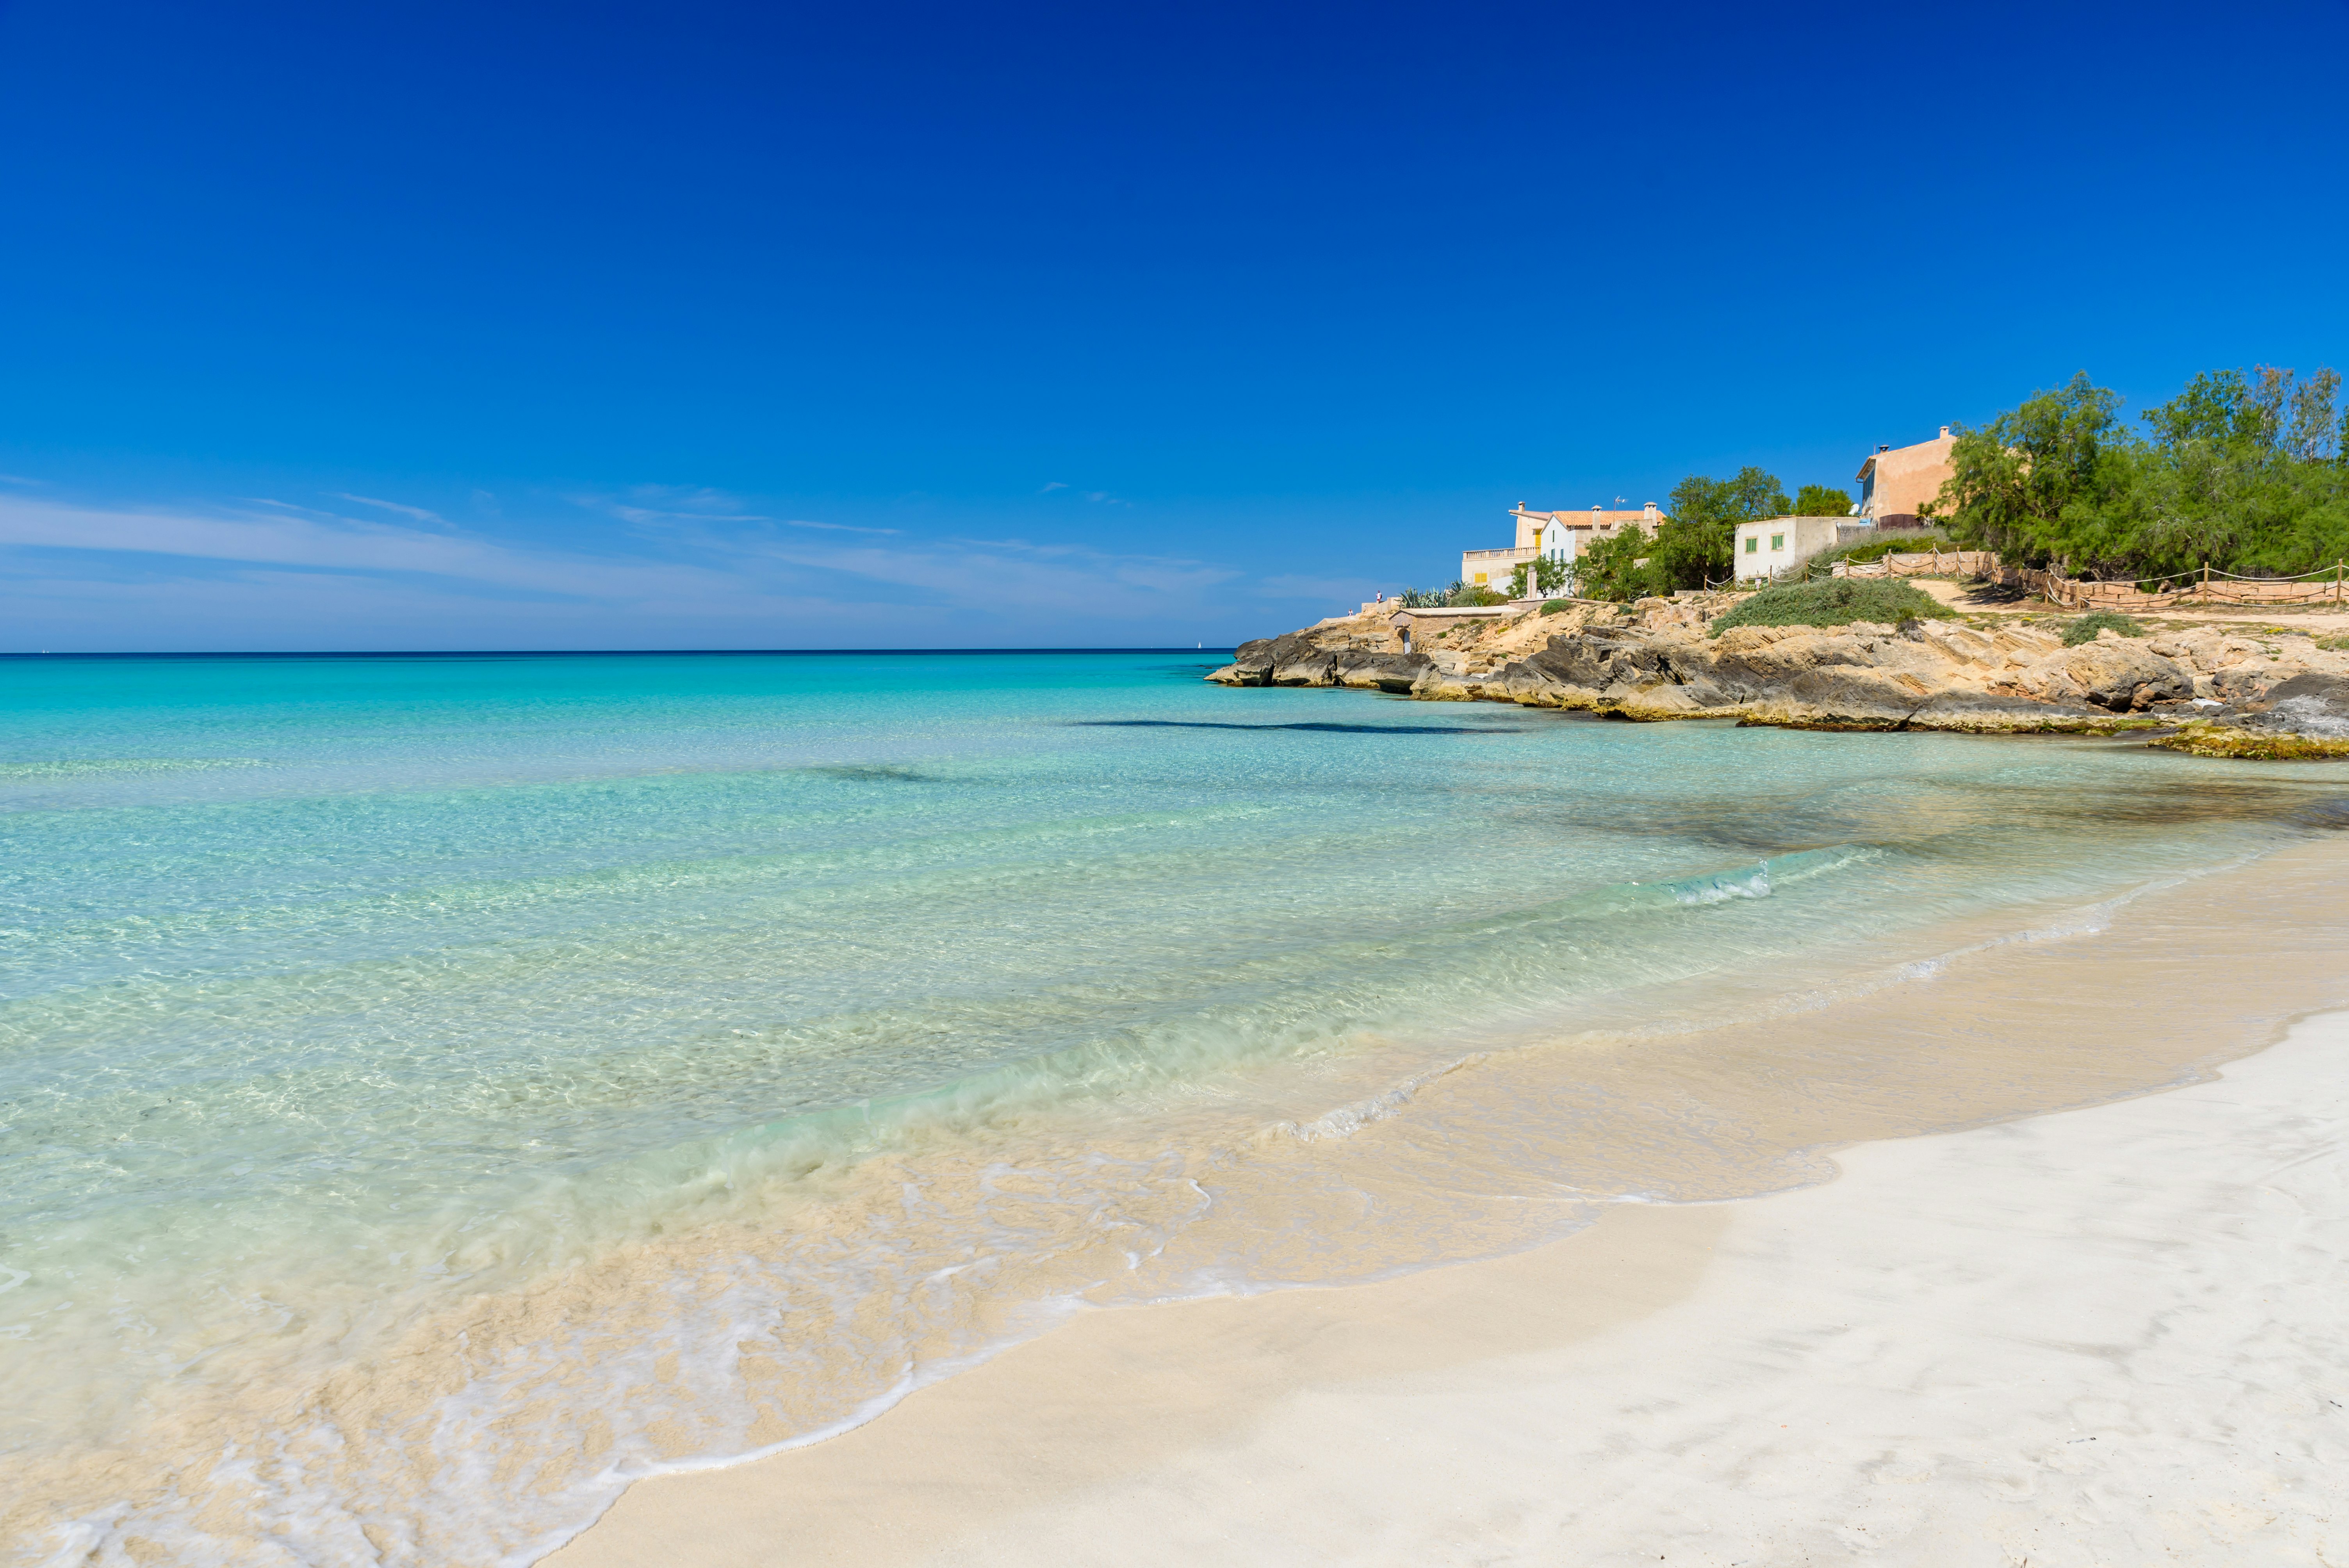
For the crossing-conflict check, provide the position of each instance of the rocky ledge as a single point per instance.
(2222, 691)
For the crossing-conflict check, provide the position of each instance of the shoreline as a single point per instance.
(1322, 1004)
(1137, 1434)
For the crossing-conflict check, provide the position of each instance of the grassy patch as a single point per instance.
(2085, 628)
(2333, 644)
(1837, 601)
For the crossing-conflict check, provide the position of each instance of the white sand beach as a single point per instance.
(2108, 1336)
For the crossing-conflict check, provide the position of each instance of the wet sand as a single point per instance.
(2104, 1335)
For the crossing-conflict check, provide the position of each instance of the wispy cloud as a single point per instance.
(325, 541)
(417, 512)
(666, 506)
(698, 560)
(1100, 498)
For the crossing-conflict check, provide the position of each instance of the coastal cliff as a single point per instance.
(2234, 690)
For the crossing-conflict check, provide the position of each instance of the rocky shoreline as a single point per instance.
(2250, 690)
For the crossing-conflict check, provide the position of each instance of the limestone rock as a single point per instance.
(2310, 704)
(2122, 677)
(1655, 661)
(1251, 665)
(1380, 671)
(1298, 660)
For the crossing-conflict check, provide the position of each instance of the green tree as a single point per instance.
(1621, 568)
(1822, 500)
(1546, 573)
(2244, 472)
(1693, 544)
(2037, 481)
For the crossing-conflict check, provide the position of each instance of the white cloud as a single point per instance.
(334, 544)
(417, 512)
(1100, 498)
(705, 572)
(701, 507)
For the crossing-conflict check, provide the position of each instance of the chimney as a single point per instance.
(1945, 432)
(1884, 446)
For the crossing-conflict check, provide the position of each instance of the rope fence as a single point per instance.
(1923, 563)
(2327, 585)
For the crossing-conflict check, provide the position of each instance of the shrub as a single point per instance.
(1620, 568)
(1467, 595)
(1822, 500)
(1547, 574)
(2085, 628)
(1837, 602)
(1554, 606)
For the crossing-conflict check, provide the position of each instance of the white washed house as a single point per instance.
(1560, 536)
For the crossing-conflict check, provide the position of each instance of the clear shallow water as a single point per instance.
(436, 1090)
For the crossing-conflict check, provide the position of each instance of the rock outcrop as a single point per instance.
(1658, 661)
(1295, 660)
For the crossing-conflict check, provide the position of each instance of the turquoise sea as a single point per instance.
(436, 1090)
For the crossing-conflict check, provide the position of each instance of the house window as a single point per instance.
(1753, 542)
(1777, 542)
(1480, 579)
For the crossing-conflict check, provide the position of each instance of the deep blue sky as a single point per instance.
(713, 325)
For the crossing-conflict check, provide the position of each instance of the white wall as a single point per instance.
(1777, 542)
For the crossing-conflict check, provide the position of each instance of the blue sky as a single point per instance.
(701, 326)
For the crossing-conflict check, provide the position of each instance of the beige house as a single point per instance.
(1558, 535)
(1895, 485)
(1896, 482)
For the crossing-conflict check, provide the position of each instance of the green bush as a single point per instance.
(1621, 569)
(1554, 606)
(1547, 574)
(2241, 470)
(1467, 595)
(2085, 628)
(1837, 601)
(1822, 500)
